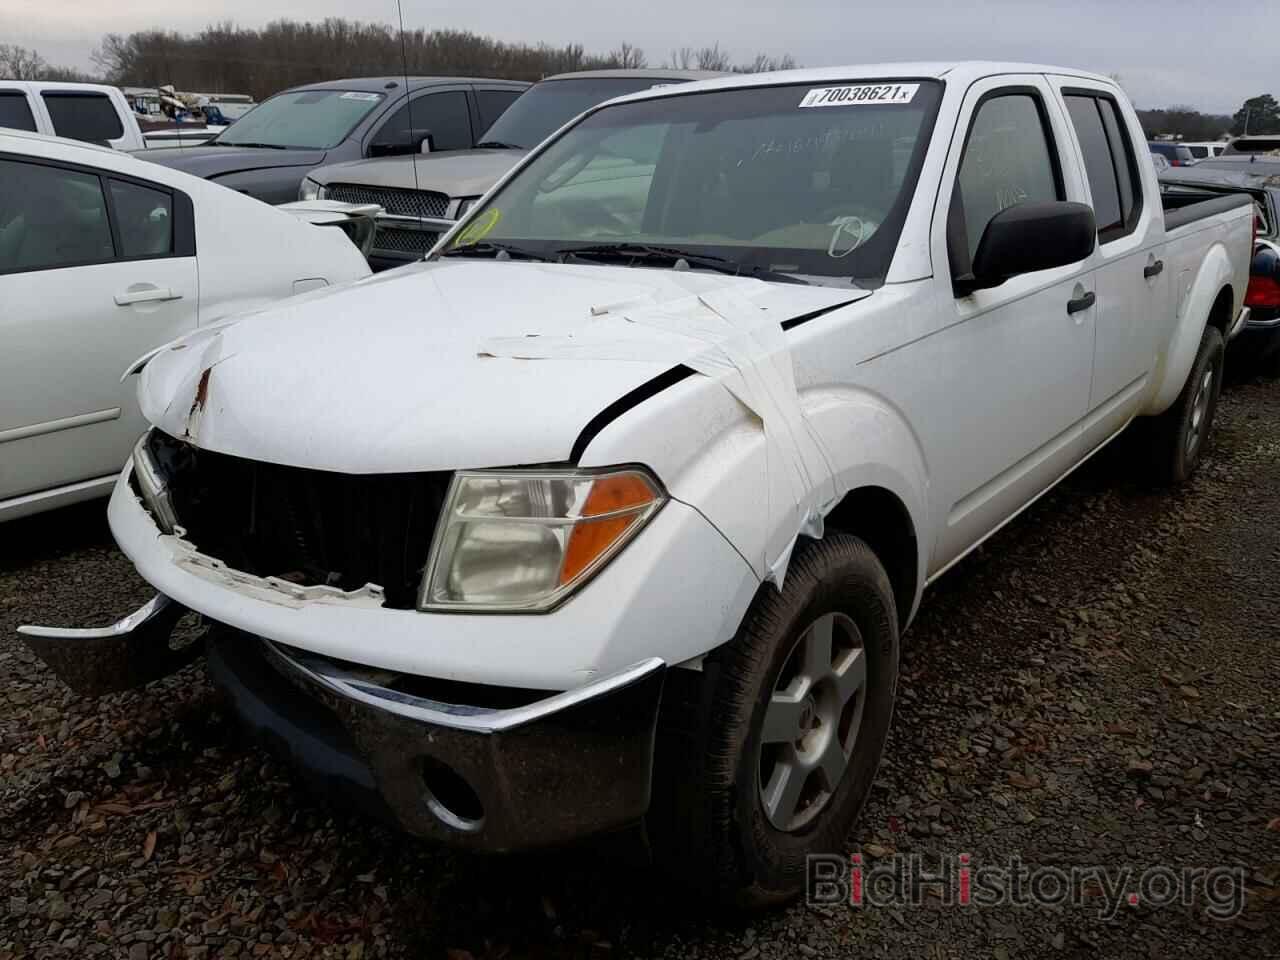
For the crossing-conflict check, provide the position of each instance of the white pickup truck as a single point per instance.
(614, 510)
(94, 112)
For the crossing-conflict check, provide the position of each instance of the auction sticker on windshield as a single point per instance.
(863, 93)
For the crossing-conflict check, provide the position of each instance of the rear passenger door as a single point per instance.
(491, 103)
(1131, 283)
(95, 270)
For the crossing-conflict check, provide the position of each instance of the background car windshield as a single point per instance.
(549, 105)
(749, 175)
(315, 119)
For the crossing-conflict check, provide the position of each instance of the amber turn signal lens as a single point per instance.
(616, 501)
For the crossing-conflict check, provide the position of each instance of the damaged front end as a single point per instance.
(129, 653)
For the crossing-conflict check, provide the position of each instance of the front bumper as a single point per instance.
(560, 768)
(544, 771)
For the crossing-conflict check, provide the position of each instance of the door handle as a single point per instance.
(147, 295)
(1081, 303)
(1153, 269)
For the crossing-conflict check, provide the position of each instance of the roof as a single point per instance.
(963, 72)
(9, 133)
(383, 84)
(645, 74)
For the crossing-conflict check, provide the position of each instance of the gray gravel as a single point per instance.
(1096, 686)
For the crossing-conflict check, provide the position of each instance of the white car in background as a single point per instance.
(103, 258)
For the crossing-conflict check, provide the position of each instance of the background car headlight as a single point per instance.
(464, 205)
(523, 541)
(310, 190)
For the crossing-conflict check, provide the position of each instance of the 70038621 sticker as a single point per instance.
(860, 94)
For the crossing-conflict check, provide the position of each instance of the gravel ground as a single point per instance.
(1096, 686)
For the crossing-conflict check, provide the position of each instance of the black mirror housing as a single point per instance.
(1028, 237)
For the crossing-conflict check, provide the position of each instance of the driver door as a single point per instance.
(1002, 408)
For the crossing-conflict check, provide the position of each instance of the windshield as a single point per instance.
(809, 180)
(545, 107)
(305, 119)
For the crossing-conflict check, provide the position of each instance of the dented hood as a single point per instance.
(389, 374)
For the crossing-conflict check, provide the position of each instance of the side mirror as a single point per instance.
(1027, 237)
(427, 143)
(405, 143)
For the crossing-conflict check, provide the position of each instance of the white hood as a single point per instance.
(385, 375)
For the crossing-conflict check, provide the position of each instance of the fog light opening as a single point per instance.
(450, 797)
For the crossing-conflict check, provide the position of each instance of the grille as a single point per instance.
(404, 241)
(405, 203)
(306, 526)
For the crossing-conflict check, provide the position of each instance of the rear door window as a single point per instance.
(51, 217)
(1109, 164)
(15, 112)
(144, 220)
(493, 104)
(83, 116)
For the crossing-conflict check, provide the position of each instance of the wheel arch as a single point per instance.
(880, 518)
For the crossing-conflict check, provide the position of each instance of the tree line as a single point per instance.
(225, 58)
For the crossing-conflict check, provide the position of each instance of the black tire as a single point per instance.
(1171, 456)
(708, 822)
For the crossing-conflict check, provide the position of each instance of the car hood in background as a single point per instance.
(212, 162)
(458, 173)
(392, 374)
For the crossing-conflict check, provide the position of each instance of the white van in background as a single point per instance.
(1206, 149)
(94, 112)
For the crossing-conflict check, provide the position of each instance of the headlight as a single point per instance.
(523, 541)
(310, 190)
(464, 205)
(152, 485)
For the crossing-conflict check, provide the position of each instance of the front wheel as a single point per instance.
(769, 753)
(1178, 437)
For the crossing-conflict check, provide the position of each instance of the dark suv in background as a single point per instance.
(1175, 153)
(268, 151)
(423, 195)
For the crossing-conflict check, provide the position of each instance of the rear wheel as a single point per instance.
(1178, 437)
(769, 753)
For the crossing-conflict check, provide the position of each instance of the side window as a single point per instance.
(1008, 158)
(15, 112)
(442, 115)
(493, 104)
(51, 217)
(1097, 163)
(144, 220)
(83, 116)
(1110, 163)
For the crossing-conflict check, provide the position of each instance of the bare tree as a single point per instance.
(713, 58)
(19, 63)
(627, 57)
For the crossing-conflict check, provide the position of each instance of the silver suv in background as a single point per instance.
(423, 195)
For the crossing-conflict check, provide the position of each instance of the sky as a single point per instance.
(1211, 56)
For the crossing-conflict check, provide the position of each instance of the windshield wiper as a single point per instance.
(649, 253)
(263, 146)
(497, 145)
(499, 251)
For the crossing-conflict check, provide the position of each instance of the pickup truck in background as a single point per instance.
(423, 195)
(93, 112)
(268, 151)
(1258, 345)
(709, 387)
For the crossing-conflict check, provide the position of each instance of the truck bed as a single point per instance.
(1183, 209)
